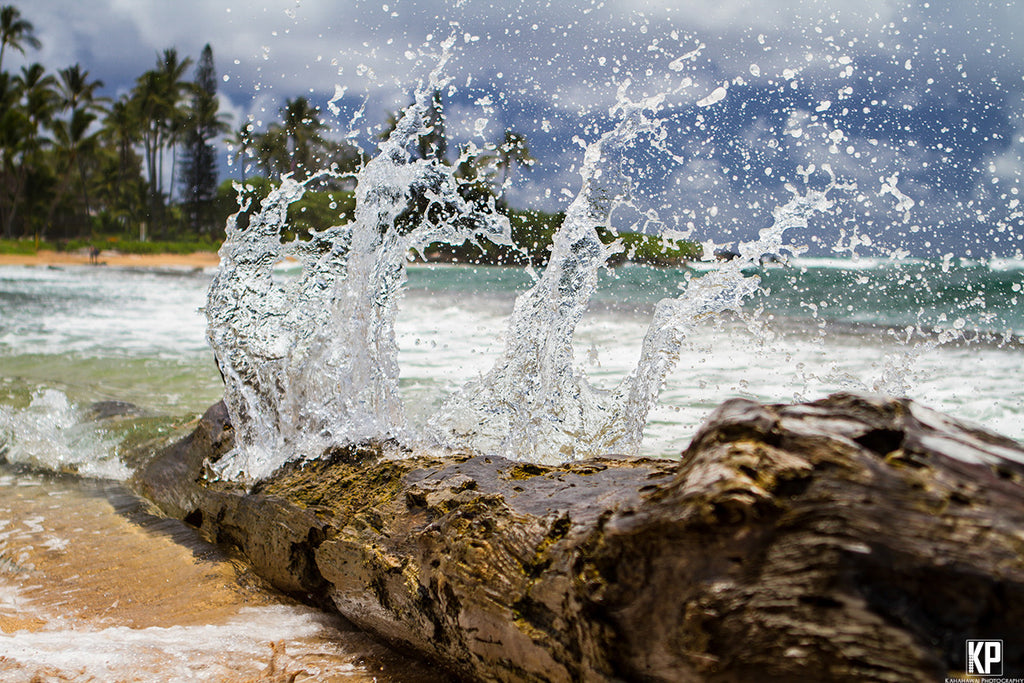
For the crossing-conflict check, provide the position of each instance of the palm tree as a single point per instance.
(73, 143)
(302, 126)
(148, 103)
(243, 142)
(122, 131)
(78, 95)
(474, 173)
(158, 95)
(13, 125)
(16, 32)
(271, 150)
(39, 92)
(513, 151)
(295, 145)
(77, 91)
(176, 89)
(433, 144)
(38, 99)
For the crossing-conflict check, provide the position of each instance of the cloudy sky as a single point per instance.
(916, 108)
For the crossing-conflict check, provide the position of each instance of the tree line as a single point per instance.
(75, 165)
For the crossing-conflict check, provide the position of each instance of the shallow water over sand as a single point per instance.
(93, 587)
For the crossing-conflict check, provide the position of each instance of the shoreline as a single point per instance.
(199, 259)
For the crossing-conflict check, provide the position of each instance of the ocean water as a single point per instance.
(946, 334)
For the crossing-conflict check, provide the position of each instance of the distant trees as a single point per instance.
(158, 103)
(433, 144)
(513, 151)
(199, 159)
(241, 146)
(123, 188)
(28, 103)
(296, 144)
(483, 173)
(73, 163)
(75, 140)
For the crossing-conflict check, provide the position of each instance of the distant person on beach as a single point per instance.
(94, 255)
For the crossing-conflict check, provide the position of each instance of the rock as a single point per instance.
(108, 410)
(854, 538)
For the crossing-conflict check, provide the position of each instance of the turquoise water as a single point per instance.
(968, 295)
(818, 326)
(99, 334)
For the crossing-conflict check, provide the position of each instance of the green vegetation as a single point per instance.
(77, 169)
(74, 165)
(317, 210)
(21, 247)
(27, 247)
(654, 250)
(534, 232)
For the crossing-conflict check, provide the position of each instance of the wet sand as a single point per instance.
(95, 587)
(201, 259)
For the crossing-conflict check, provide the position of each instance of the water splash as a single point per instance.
(720, 291)
(536, 404)
(311, 363)
(898, 366)
(50, 433)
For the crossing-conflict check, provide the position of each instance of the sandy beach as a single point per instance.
(202, 259)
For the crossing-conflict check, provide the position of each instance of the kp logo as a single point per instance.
(985, 657)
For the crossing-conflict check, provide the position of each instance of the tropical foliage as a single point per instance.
(74, 164)
(143, 167)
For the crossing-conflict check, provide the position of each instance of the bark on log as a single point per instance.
(854, 538)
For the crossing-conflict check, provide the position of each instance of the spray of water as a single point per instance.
(311, 362)
(50, 433)
(536, 404)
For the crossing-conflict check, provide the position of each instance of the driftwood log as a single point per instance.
(854, 538)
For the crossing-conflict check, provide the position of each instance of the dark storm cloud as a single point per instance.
(908, 101)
